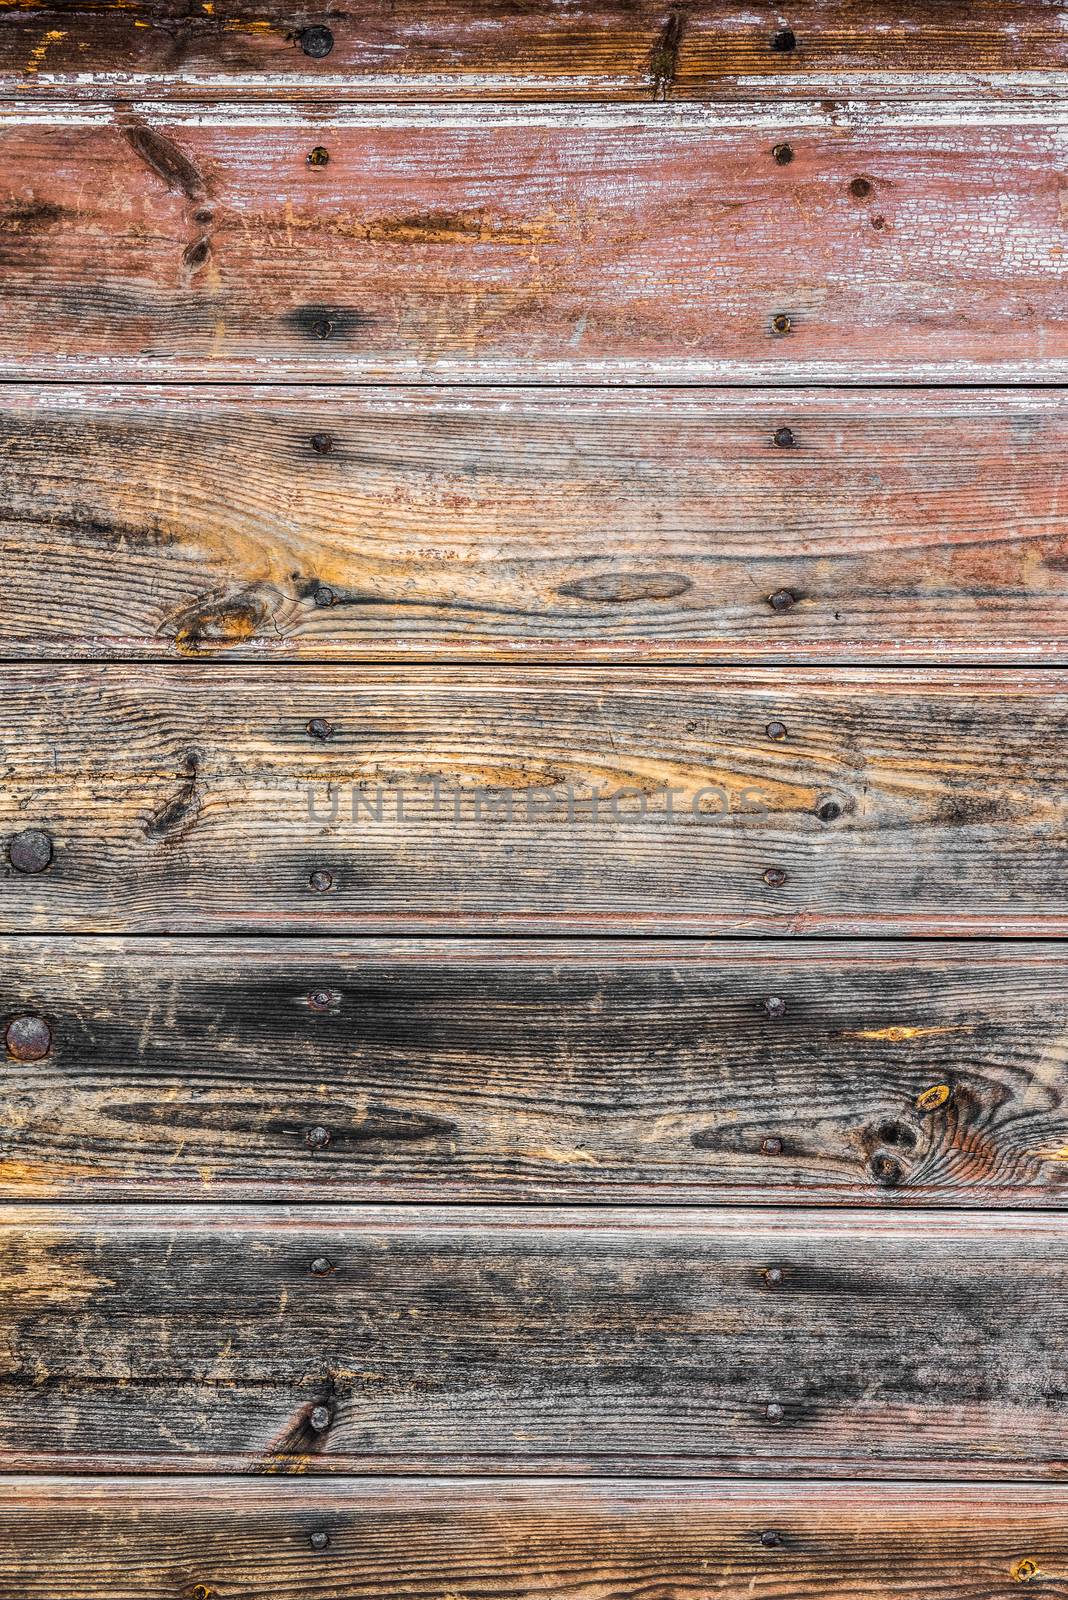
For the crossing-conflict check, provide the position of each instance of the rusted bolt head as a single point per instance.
(320, 1418)
(784, 438)
(770, 1539)
(324, 595)
(322, 1266)
(774, 1006)
(776, 730)
(30, 850)
(322, 882)
(28, 1038)
(772, 1277)
(322, 443)
(319, 1539)
(783, 154)
(934, 1098)
(774, 1412)
(771, 1147)
(783, 41)
(316, 42)
(774, 877)
(828, 810)
(317, 1138)
(781, 324)
(319, 728)
(860, 188)
(319, 156)
(782, 600)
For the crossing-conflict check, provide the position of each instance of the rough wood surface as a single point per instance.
(912, 525)
(526, 49)
(374, 800)
(128, 1539)
(446, 1339)
(909, 243)
(491, 1070)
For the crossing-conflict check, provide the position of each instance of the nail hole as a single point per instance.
(878, 223)
(886, 1171)
(783, 41)
(323, 328)
(783, 154)
(828, 810)
(897, 1133)
(860, 188)
(322, 443)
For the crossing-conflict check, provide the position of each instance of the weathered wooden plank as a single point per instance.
(375, 800)
(474, 244)
(910, 524)
(128, 1539)
(512, 1339)
(541, 49)
(485, 1070)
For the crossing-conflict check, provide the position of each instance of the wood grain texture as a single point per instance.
(376, 800)
(520, 523)
(933, 1074)
(128, 1539)
(533, 49)
(902, 243)
(517, 1340)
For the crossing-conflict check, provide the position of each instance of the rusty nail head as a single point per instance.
(322, 1266)
(774, 1412)
(784, 40)
(783, 154)
(784, 438)
(771, 1147)
(28, 1038)
(319, 156)
(316, 42)
(320, 1418)
(322, 882)
(322, 443)
(319, 728)
(323, 328)
(780, 323)
(774, 877)
(782, 600)
(320, 999)
(774, 1006)
(772, 1276)
(319, 1539)
(324, 595)
(317, 1138)
(776, 730)
(30, 850)
(771, 1539)
(828, 810)
(860, 188)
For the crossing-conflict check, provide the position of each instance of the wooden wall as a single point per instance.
(534, 820)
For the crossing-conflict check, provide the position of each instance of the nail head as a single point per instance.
(828, 810)
(319, 157)
(782, 600)
(783, 41)
(320, 1418)
(770, 1538)
(774, 1412)
(774, 877)
(772, 1276)
(784, 438)
(30, 851)
(860, 188)
(28, 1038)
(319, 1539)
(322, 882)
(771, 1147)
(322, 1266)
(783, 154)
(316, 42)
(317, 1138)
(322, 443)
(774, 1006)
(776, 730)
(781, 324)
(319, 728)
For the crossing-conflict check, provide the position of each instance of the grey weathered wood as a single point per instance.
(375, 800)
(534, 523)
(529, 244)
(518, 1340)
(128, 1539)
(912, 1073)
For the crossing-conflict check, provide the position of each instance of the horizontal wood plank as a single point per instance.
(378, 800)
(900, 243)
(932, 1074)
(451, 1339)
(123, 1539)
(910, 525)
(536, 49)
